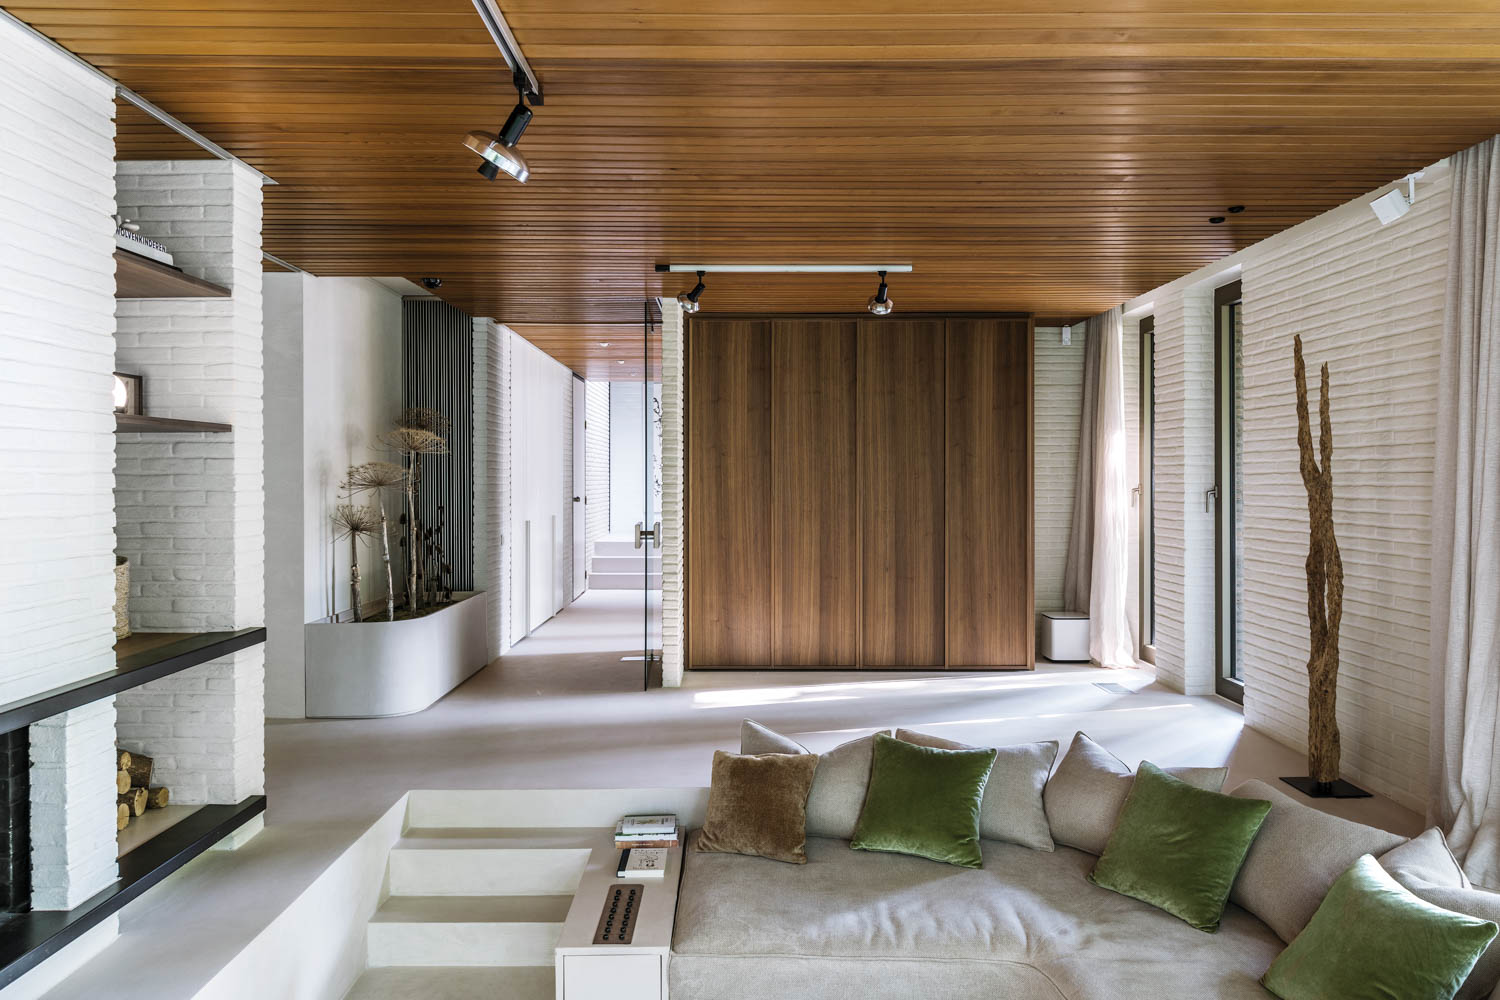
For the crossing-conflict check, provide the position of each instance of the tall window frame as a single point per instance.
(1147, 490)
(1224, 495)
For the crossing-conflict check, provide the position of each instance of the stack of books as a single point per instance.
(647, 831)
(644, 842)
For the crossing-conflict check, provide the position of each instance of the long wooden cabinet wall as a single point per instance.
(859, 493)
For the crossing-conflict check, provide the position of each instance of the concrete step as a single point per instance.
(625, 564)
(455, 983)
(624, 581)
(456, 862)
(616, 547)
(466, 930)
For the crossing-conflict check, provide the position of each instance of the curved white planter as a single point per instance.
(380, 668)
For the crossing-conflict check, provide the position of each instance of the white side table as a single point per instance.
(634, 971)
(1064, 636)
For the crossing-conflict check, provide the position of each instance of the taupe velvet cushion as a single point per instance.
(838, 791)
(1012, 808)
(1297, 856)
(1426, 868)
(758, 805)
(1084, 797)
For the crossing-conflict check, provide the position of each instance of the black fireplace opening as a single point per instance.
(15, 823)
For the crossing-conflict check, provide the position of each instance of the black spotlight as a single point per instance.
(1215, 219)
(880, 303)
(689, 300)
(432, 283)
(499, 151)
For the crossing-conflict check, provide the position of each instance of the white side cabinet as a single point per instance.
(634, 971)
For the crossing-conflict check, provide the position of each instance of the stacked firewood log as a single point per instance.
(134, 789)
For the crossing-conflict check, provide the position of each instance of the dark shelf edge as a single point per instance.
(28, 939)
(135, 423)
(132, 671)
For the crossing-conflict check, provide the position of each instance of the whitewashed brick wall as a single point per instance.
(1184, 470)
(596, 466)
(1057, 400)
(567, 491)
(1368, 300)
(57, 446)
(191, 506)
(673, 554)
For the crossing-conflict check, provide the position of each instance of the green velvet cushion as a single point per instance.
(1178, 847)
(924, 801)
(1373, 940)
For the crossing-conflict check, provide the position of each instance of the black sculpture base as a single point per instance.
(1339, 789)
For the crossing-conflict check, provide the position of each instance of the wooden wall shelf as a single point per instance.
(27, 939)
(139, 659)
(138, 277)
(136, 423)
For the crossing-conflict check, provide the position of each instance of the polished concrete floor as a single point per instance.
(565, 708)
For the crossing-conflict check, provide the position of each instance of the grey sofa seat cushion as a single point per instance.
(1012, 807)
(1296, 857)
(853, 924)
(838, 790)
(1427, 868)
(1083, 798)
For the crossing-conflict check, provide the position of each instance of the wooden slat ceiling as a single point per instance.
(1021, 154)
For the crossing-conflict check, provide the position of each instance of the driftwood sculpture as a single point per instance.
(1325, 585)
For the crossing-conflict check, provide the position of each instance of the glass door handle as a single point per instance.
(656, 535)
(642, 533)
(1210, 497)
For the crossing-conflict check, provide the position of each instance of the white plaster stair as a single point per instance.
(468, 862)
(458, 983)
(466, 930)
(626, 564)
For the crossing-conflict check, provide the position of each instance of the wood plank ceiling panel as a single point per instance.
(1021, 154)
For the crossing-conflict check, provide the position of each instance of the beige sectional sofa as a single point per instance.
(1028, 925)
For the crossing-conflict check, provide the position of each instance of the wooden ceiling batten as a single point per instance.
(1021, 154)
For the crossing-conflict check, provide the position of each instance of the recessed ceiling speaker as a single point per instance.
(499, 151)
(880, 304)
(1393, 204)
(689, 300)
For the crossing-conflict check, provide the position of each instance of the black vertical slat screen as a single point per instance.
(438, 373)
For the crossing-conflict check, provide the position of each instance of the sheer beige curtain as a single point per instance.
(1466, 527)
(1097, 575)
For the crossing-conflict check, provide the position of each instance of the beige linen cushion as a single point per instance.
(838, 788)
(1012, 809)
(1084, 797)
(1296, 857)
(1427, 869)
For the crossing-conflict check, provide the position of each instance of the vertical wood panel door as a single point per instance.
(729, 493)
(814, 530)
(988, 496)
(901, 482)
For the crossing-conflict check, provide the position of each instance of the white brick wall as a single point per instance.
(1184, 470)
(57, 446)
(1057, 401)
(72, 806)
(191, 507)
(673, 556)
(596, 466)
